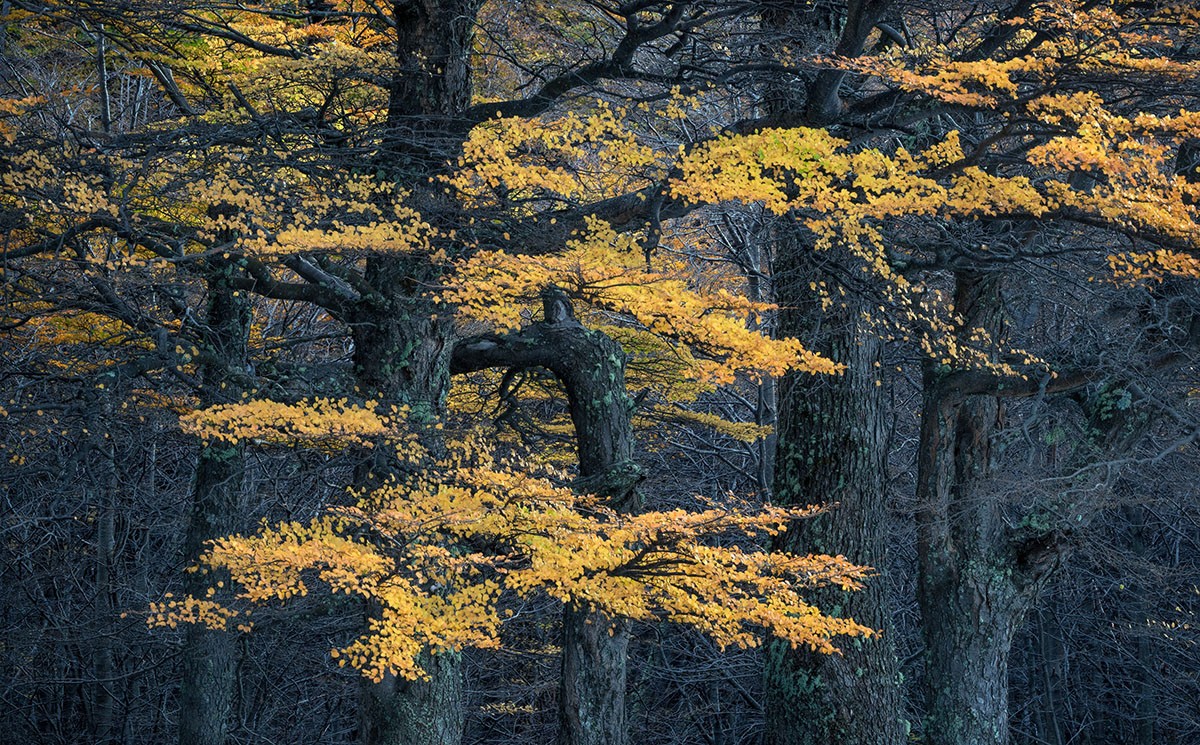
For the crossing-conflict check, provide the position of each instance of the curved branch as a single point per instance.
(591, 367)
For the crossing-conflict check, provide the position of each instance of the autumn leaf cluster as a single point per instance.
(439, 550)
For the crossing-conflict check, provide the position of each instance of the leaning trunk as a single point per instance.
(595, 647)
(591, 368)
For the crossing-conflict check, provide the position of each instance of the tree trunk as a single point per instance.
(103, 488)
(831, 442)
(210, 656)
(402, 344)
(402, 338)
(595, 648)
(420, 712)
(1051, 657)
(591, 367)
(591, 693)
(969, 625)
(969, 589)
(831, 450)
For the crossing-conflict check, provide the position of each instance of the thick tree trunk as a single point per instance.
(969, 625)
(402, 344)
(591, 367)
(971, 594)
(210, 656)
(402, 339)
(832, 450)
(595, 648)
(422, 712)
(831, 435)
(591, 693)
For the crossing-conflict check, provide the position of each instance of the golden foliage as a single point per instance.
(436, 551)
(847, 196)
(740, 431)
(603, 267)
(571, 158)
(321, 422)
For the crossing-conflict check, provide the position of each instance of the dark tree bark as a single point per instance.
(981, 567)
(591, 692)
(210, 656)
(417, 711)
(831, 437)
(591, 367)
(403, 338)
(972, 590)
(832, 441)
(402, 344)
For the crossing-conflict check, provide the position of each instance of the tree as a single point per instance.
(832, 438)
(402, 336)
(942, 157)
(963, 545)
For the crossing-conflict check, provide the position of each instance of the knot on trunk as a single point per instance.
(618, 484)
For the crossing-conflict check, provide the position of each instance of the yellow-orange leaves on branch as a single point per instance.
(713, 325)
(318, 422)
(403, 547)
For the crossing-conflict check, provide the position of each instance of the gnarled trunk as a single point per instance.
(402, 344)
(402, 338)
(591, 367)
(969, 589)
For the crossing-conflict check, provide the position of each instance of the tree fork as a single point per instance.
(831, 441)
(970, 602)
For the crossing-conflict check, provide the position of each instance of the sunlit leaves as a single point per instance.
(849, 197)
(405, 545)
(605, 269)
(514, 161)
(316, 423)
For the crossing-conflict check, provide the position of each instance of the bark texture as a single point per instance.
(831, 433)
(402, 338)
(591, 706)
(400, 712)
(832, 450)
(971, 594)
(210, 656)
(402, 357)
